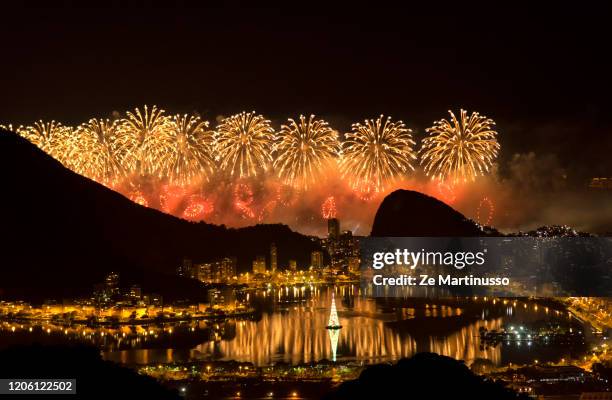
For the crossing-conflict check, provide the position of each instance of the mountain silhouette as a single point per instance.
(413, 214)
(62, 232)
(84, 364)
(423, 376)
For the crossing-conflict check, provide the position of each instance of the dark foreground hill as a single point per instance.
(62, 232)
(95, 378)
(424, 376)
(414, 214)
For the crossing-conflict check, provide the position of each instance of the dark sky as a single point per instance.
(543, 75)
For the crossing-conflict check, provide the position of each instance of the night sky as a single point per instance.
(543, 75)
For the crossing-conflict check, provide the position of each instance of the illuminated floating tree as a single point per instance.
(334, 322)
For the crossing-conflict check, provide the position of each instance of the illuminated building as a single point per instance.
(316, 260)
(204, 272)
(600, 183)
(219, 271)
(273, 258)
(292, 265)
(344, 252)
(156, 299)
(135, 291)
(107, 291)
(228, 268)
(112, 283)
(221, 297)
(259, 265)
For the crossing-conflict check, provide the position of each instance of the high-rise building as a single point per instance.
(205, 272)
(343, 251)
(292, 265)
(333, 228)
(228, 264)
(219, 271)
(273, 258)
(112, 283)
(316, 260)
(259, 265)
(135, 291)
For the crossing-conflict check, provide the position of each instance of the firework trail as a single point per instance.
(243, 143)
(460, 149)
(304, 149)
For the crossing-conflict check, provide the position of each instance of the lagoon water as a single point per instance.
(290, 328)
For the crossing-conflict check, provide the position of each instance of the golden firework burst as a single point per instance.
(93, 153)
(143, 140)
(243, 143)
(303, 149)
(189, 154)
(53, 138)
(458, 150)
(376, 152)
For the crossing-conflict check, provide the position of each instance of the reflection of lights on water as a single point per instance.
(301, 335)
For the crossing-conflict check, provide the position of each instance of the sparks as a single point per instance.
(144, 140)
(376, 152)
(304, 149)
(460, 149)
(243, 143)
(188, 154)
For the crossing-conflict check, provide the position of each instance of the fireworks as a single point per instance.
(52, 137)
(485, 218)
(376, 152)
(243, 143)
(17, 129)
(366, 191)
(170, 196)
(187, 151)
(144, 140)
(139, 198)
(93, 152)
(197, 207)
(303, 149)
(460, 150)
(243, 200)
(446, 192)
(251, 174)
(328, 208)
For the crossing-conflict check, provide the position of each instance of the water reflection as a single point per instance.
(299, 335)
(291, 329)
